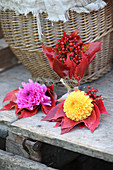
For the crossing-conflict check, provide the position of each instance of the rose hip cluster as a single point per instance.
(71, 45)
(92, 93)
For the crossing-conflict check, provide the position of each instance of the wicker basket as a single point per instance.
(21, 34)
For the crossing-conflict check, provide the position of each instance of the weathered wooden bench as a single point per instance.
(39, 141)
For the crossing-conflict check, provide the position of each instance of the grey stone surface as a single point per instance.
(98, 144)
(9, 161)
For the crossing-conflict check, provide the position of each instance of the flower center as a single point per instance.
(78, 106)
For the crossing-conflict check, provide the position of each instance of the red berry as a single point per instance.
(62, 43)
(78, 47)
(82, 48)
(70, 44)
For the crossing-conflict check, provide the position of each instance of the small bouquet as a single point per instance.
(79, 108)
(70, 58)
(29, 98)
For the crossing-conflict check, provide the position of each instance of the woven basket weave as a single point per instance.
(21, 34)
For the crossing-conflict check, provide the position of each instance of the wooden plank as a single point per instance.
(98, 144)
(9, 161)
(50, 155)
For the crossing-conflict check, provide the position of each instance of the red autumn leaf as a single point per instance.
(58, 123)
(81, 125)
(50, 93)
(67, 125)
(10, 96)
(92, 121)
(92, 48)
(63, 131)
(70, 64)
(101, 106)
(61, 69)
(51, 115)
(17, 110)
(81, 68)
(60, 113)
(75, 34)
(49, 53)
(27, 113)
(8, 106)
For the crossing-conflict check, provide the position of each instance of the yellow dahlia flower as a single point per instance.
(78, 105)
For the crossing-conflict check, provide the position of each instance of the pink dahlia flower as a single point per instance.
(32, 94)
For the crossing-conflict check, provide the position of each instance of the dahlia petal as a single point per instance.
(43, 88)
(46, 104)
(27, 113)
(30, 81)
(10, 96)
(101, 106)
(8, 106)
(93, 48)
(92, 121)
(50, 116)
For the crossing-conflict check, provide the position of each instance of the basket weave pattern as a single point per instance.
(22, 35)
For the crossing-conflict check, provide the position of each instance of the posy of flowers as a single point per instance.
(29, 98)
(69, 59)
(78, 108)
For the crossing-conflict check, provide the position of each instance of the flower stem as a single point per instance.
(70, 84)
